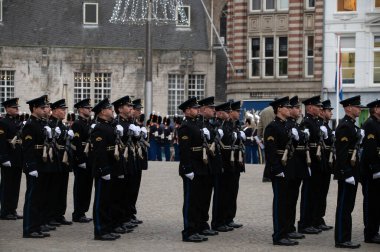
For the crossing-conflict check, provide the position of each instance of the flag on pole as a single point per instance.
(338, 74)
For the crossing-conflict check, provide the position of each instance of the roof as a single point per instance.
(60, 23)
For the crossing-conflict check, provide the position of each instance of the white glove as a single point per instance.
(57, 131)
(281, 175)
(221, 133)
(34, 174)
(170, 137)
(70, 134)
(324, 130)
(308, 168)
(362, 133)
(144, 131)
(190, 175)
(24, 122)
(306, 132)
(137, 131)
(234, 136)
(93, 125)
(295, 135)
(376, 175)
(106, 177)
(242, 135)
(333, 133)
(120, 130)
(156, 133)
(48, 131)
(350, 180)
(82, 165)
(206, 132)
(7, 164)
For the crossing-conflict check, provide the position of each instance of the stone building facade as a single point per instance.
(275, 47)
(49, 47)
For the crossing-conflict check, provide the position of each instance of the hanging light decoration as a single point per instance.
(136, 11)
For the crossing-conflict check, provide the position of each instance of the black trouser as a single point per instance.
(371, 207)
(48, 196)
(294, 189)
(321, 185)
(33, 204)
(83, 181)
(63, 180)
(118, 190)
(218, 202)
(306, 204)
(345, 206)
(232, 188)
(9, 189)
(191, 210)
(205, 200)
(281, 206)
(133, 182)
(102, 207)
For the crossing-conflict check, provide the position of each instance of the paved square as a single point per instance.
(160, 206)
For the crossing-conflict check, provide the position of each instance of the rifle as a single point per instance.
(18, 134)
(205, 148)
(241, 152)
(68, 149)
(332, 151)
(88, 142)
(118, 143)
(321, 145)
(307, 146)
(129, 145)
(356, 149)
(46, 146)
(53, 144)
(289, 149)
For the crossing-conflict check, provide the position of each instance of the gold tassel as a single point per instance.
(205, 160)
(331, 159)
(284, 159)
(13, 142)
(44, 154)
(308, 159)
(139, 151)
(126, 153)
(353, 158)
(87, 148)
(116, 152)
(318, 154)
(240, 157)
(232, 158)
(65, 158)
(212, 149)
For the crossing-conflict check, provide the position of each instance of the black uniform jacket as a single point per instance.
(81, 128)
(9, 128)
(371, 147)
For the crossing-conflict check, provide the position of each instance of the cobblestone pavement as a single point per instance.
(160, 205)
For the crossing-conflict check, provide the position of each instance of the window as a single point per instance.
(269, 4)
(255, 57)
(347, 45)
(309, 56)
(282, 4)
(183, 16)
(268, 57)
(90, 13)
(376, 60)
(310, 4)
(7, 83)
(1, 10)
(377, 4)
(96, 86)
(282, 66)
(255, 5)
(346, 5)
(179, 91)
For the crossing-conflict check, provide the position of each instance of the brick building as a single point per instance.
(275, 47)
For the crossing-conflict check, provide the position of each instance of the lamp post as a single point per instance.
(148, 66)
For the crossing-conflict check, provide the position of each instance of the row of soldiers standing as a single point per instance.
(308, 153)
(113, 151)
(211, 147)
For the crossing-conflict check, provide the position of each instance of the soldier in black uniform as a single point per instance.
(235, 166)
(348, 138)
(167, 131)
(83, 180)
(310, 187)
(325, 174)
(213, 161)
(191, 169)
(276, 138)
(296, 168)
(371, 174)
(220, 191)
(34, 135)
(103, 139)
(10, 160)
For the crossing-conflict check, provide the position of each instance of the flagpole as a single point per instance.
(338, 80)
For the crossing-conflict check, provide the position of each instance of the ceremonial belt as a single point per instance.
(301, 148)
(350, 151)
(226, 147)
(84, 143)
(198, 148)
(313, 145)
(38, 147)
(328, 147)
(280, 152)
(18, 141)
(250, 138)
(110, 148)
(60, 147)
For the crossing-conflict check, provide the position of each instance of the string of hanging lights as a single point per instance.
(136, 11)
